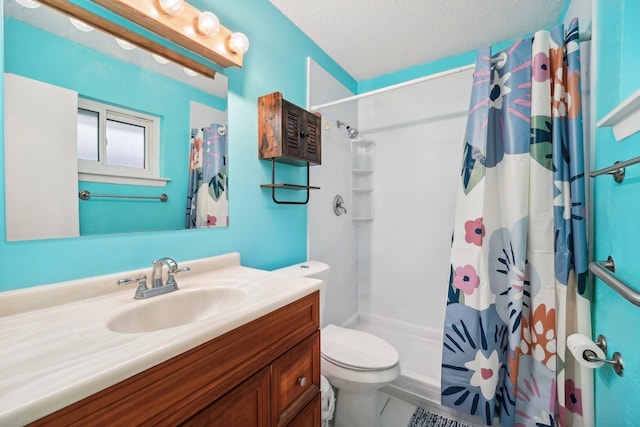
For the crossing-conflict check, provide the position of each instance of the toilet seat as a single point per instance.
(356, 350)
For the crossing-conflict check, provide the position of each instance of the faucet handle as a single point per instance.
(127, 280)
(173, 271)
(142, 284)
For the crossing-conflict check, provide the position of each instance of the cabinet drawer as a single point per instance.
(295, 380)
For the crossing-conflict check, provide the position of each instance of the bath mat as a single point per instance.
(423, 418)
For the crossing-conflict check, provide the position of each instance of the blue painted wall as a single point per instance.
(265, 234)
(617, 230)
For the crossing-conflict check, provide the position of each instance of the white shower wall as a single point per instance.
(333, 239)
(395, 269)
(404, 252)
(390, 276)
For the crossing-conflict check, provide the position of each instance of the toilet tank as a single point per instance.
(312, 269)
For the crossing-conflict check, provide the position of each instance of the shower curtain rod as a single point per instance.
(585, 36)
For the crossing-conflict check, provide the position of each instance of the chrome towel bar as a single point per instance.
(617, 169)
(604, 270)
(86, 195)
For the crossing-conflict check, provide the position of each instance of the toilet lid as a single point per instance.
(356, 349)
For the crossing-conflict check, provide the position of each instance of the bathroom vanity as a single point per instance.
(255, 363)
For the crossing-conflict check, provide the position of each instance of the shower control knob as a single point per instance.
(302, 381)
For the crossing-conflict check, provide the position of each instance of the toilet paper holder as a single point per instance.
(616, 360)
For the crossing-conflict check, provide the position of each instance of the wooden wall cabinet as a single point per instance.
(264, 373)
(288, 133)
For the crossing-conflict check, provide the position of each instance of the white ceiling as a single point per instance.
(370, 38)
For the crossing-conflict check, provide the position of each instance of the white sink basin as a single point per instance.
(176, 308)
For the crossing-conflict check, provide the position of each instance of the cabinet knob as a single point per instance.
(304, 134)
(302, 381)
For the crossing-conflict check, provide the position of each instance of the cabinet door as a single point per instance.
(310, 138)
(292, 123)
(310, 416)
(247, 405)
(295, 380)
(301, 133)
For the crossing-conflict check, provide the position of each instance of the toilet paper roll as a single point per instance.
(578, 344)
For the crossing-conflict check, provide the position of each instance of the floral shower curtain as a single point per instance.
(207, 203)
(518, 260)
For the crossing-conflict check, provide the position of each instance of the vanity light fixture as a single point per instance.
(181, 29)
(160, 59)
(30, 4)
(238, 42)
(171, 7)
(208, 24)
(125, 44)
(81, 25)
(189, 27)
(189, 72)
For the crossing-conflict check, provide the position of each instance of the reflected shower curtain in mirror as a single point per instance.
(207, 203)
(518, 259)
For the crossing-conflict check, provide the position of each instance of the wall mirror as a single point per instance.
(46, 50)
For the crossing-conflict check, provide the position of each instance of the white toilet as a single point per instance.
(356, 363)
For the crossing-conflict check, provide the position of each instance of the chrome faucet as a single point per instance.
(157, 286)
(156, 272)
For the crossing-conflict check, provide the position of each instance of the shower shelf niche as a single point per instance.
(362, 182)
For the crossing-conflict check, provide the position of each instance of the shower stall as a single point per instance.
(389, 275)
(404, 252)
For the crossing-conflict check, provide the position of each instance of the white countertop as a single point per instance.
(54, 355)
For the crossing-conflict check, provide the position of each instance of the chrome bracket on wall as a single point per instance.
(616, 361)
(604, 270)
(617, 169)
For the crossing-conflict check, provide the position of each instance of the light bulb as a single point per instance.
(160, 59)
(189, 72)
(81, 25)
(29, 4)
(238, 42)
(208, 24)
(125, 44)
(171, 7)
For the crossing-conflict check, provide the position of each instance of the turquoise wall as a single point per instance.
(265, 234)
(616, 207)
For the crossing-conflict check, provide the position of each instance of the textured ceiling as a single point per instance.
(370, 38)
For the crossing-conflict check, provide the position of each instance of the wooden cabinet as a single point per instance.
(264, 373)
(295, 380)
(309, 416)
(288, 133)
(247, 406)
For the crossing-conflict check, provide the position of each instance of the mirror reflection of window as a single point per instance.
(125, 144)
(116, 141)
(88, 135)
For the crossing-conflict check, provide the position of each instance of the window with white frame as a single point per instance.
(117, 145)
